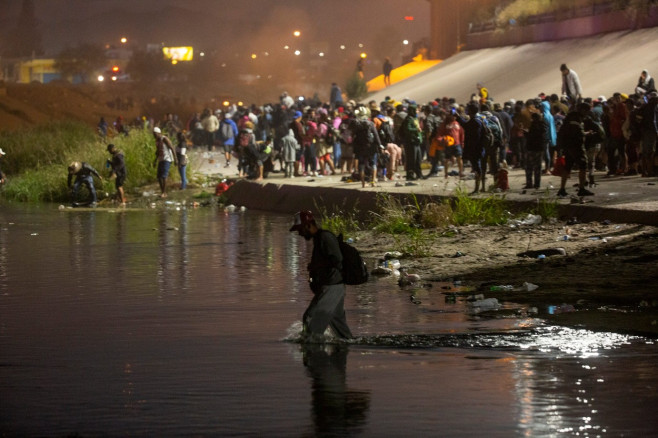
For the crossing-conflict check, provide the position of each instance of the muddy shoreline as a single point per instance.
(605, 282)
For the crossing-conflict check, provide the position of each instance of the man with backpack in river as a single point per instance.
(325, 279)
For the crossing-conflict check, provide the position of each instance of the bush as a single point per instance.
(483, 211)
(339, 221)
(356, 87)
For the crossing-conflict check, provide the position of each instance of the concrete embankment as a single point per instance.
(605, 63)
(620, 199)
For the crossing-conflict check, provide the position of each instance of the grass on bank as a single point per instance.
(521, 10)
(415, 226)
(37, 160)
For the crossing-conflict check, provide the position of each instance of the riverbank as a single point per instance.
(603, 278)
(606, 280)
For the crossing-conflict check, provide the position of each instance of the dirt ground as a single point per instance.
(606, 281)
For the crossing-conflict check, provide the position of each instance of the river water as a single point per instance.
(175, 322)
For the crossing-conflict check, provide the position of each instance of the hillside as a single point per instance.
(605, 63)
(25, 105)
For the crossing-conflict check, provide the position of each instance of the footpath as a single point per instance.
(620, 199)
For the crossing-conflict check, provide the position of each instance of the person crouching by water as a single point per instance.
(325, 278)
(118, 168)
(84, 174)
(164, 155)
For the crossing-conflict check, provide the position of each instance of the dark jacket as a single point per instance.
(473, 132)
(536, 138)
(85, 171)
(118, 164)
(326, 261)
(571, 138)
(366, 139)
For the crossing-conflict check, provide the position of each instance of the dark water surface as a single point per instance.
(172, 323)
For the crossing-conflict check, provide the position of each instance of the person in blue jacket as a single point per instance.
(228, 131)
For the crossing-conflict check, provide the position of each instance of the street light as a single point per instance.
(124, 40)
(297, 52)
(296, 33)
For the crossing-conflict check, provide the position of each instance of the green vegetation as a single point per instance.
(339, 221)
(521, 10)
(546, 208)
(484, 211)
(356, 87)
(37, 160)
(416, 226)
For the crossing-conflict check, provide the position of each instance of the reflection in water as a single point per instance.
(82, 237)
(336, 410)
(173, 253)
(96, 339)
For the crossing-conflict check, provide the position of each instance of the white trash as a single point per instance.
(487, 303)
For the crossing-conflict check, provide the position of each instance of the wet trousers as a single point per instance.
(327, 309)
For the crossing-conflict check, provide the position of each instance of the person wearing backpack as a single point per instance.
(324, 146)
(473, 142)
(366, 144)
(327, 307)
(494, 142)
(411, 137)
(228, 130)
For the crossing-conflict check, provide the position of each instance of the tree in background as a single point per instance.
(148, 66)
(25, 38)
(81, 61)
(356, 87)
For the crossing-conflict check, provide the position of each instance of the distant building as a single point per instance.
(36, 70)
(449, 24)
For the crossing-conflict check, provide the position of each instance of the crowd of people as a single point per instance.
(378, 141)
(370, 142)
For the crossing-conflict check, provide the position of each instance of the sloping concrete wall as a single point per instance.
(605, 63)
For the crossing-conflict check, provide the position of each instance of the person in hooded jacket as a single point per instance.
(645, 84)
(551, 135)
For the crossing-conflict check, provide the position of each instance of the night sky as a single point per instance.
(224, 24)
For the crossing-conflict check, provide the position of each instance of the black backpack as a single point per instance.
(355, 270)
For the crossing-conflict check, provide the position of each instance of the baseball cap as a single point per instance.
(301, 218)
(156, 130)
(2, 152)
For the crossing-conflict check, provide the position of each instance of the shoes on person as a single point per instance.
(410, 183)
(562, 193)
(585, 192)
(631, 172)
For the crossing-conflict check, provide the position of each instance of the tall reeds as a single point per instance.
(37, 160)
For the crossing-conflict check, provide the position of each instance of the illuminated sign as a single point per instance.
(178, 53)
